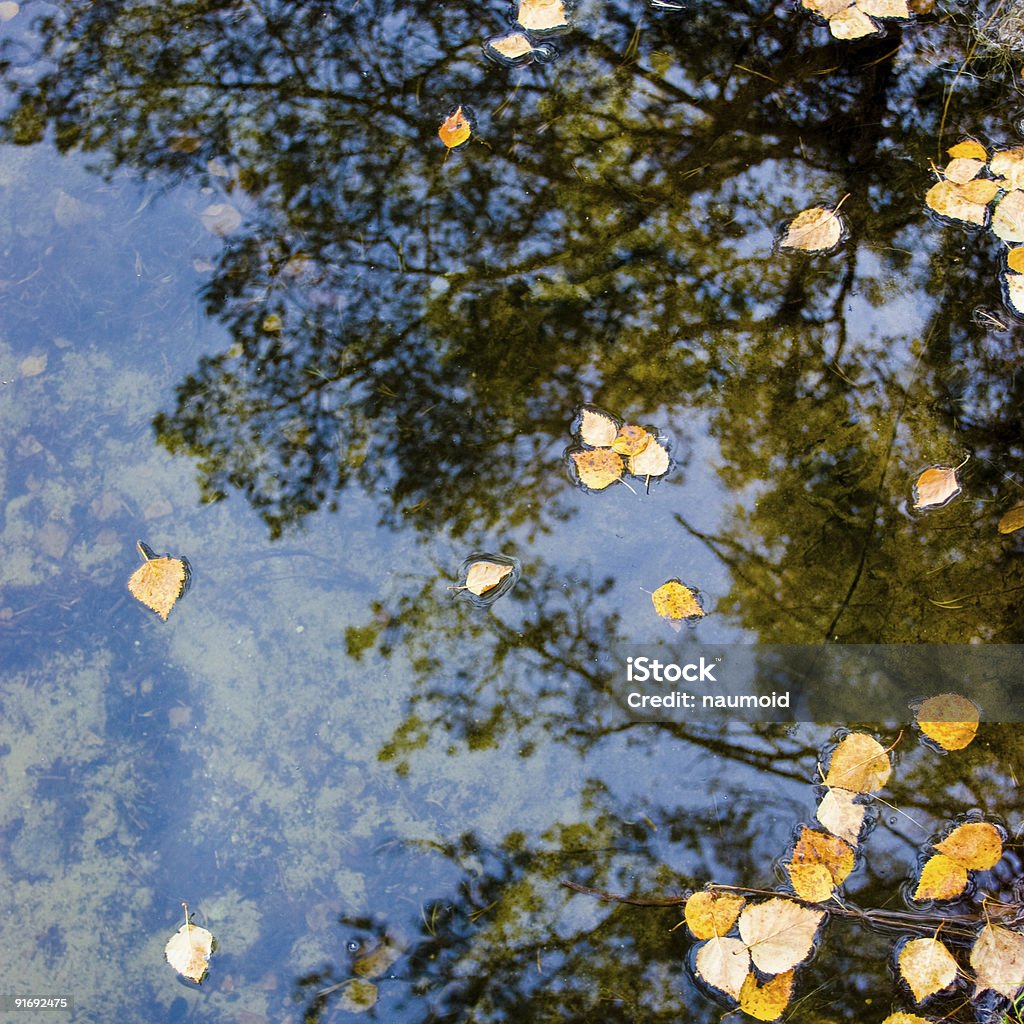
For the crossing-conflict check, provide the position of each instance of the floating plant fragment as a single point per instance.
(779, 933)
(968, 149)
(1008, 217)
(710, 914)
(973, 846)
(905, 1018)
(221, 219)
(967, 202)
(817, 229)
(724, 964)
(997, 957)
(854, 19)
(596, 428)
(542, 15)
(819, 862)
(1013, 520)
(1008, 164)
(456, 127)
(842, 814)
(949, 720)
(652, 461)
(8, 10)
(927, 966)
(769, 1000)
(159, 581)
(487, 577)
(597, 469)
(675, 602)
(858, 763)
(515, 49)
(936, 487)
(189, 949)
(630, 440)
(1013, 289)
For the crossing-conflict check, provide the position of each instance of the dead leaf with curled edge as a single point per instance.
(858, 763)
(710, 913)
(767, 1001)
(160, 581)
(815, 230)
(723, 963)
(188, 951)
(936, 487)
(997, 957)
(949, 720)
(779, 933)
(842, 814)
(819, 862)
(927, 966)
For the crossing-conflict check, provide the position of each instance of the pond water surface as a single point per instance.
(254, 313)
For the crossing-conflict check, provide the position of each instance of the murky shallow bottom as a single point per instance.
(326, 752)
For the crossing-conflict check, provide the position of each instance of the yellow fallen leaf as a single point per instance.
(819, 862)
(975, 845)
(675, 601)
(597, 428)
(905, 1018)
(1013, 286)
(710, 913)
(817, 229)
(652, 461)
(1015, 259)
(858, 763)
(968, 149)
(483, 576)
(962, 169)
(936, 487)
(631, 440)
(927, 967)
(826, 8)
(779, 933)
(456, 128)
(997, 957)
(1009, 165)
(189, 949)
(852, 24)
(885, 8)
(949, 720)
(1008, 217)
(941, 879)
(597, 469)
(513, 48)
(967, 202)
(1013, 519)
(840, 812)
(766, 1001)
(159, 581)
(723, 963)
(541, 15)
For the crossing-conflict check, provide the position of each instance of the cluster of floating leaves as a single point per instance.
(854, 19)
(607, 448)
(535, 20)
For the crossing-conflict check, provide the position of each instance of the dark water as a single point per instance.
(254, 313)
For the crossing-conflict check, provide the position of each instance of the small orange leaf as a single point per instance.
(941, 879)
(969, 149)
(631, 440)
(1015, 259)
(160, 581)
(597, 469)
(936, 487)
(709, 913)
(949, 720)
(676, 601)
(456, 128)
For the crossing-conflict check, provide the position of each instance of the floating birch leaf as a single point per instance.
(456, 127)
(723, 963)
(779, 933)
(1008, 217)
(941, 879)
(380, 959)
(927, 967)
(221, 219)
(631, 440)
(968, 149)
(975, 845)
(675, 602)
(542, 15)
(885, 8)
(1013, 288)
(597, 469)
(710, 914)
(652, 461)
(858, 763)
(905, 1018)
(485, 578)
(159, 581)
(936, 487)
(766, 1001)
(815, 230)
(826, 8)
(818, 864)
(189, 949)
(842, 814)
(596, 428)
(1009, 165)
(1013, 520)
(1015, 259)
(852, 23)
(8, 10)
(962, 169)
(997, 957)
(967, 202)
(515, 49)
(949, 720)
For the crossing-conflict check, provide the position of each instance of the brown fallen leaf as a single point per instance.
(483, 576)
(927, 966)
(159, 581)
(936, 487)
(997, 957)
(769, 1000)
(779, 933)
(949, 720)
(859, 763)
(189, 949)
(456, 128)
(815, 230)
(1013, 519)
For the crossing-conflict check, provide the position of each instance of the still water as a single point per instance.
(254, 313)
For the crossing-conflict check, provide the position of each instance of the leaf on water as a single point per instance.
(1013, 520)
(997, 957)
(652, 461)
(975, 845)
(515, 49)
(840, 812)
(941, 879)
(1008, 217)
(858, 763)
(542, 15)
(817, 229)
(357, 996)
(767, 1001)
(710, 914)
(936, 487)
(968, 149)
(905, 1018)
(1013, 287)
(159, 582)
(1015, 259)
(723, 963)
(967, 202)
(189, 949)
(1009, 165)
(456, 128)
(779, 933)
(927, 966)
(962, 169)
(32, 366)
(949, 720)
(597, 469)
(885, 8)
(221, 219)
(483, 576)
(631, 440)
(826, 8)
(818, 864)
(8, 10)
(597, 428)
(675, 601)
(852, 23)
